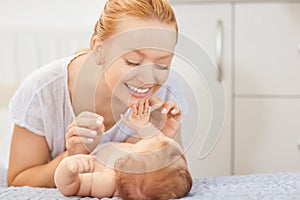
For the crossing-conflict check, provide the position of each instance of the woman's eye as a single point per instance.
(132, 63)
(162, 67)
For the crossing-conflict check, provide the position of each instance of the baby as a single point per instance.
(152, 168)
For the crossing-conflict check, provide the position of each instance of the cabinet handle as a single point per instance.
(219, 49)
(299, 47)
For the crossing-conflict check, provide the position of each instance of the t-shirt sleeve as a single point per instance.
(26, 110)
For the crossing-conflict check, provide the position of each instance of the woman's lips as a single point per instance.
(141, 92)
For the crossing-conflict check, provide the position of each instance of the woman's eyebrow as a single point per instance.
(137, 51)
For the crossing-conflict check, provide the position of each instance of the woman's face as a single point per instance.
(138, 58)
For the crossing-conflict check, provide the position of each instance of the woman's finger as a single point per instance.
(78, 131)
(168, 106)
(90, 123)
(86, 114)
(155, 103)
(176, 110)
(77, 141)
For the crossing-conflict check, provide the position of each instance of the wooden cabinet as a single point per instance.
(206, 25)
(267, 87)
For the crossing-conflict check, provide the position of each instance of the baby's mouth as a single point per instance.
(138, 92)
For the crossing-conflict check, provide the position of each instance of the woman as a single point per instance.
(131, 53)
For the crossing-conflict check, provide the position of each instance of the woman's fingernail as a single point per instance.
(90, 140)
(164, 111)
(93, 133)
(99, 120)
(173, 111)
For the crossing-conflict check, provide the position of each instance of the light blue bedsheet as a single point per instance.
(256, 186)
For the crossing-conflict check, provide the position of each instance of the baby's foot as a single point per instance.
(140, 113)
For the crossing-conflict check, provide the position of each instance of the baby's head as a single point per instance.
(160, 175)
(164, 184)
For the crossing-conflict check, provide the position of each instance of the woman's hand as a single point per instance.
(165, 116)
(84, 133)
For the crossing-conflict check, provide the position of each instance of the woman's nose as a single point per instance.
(146, 74)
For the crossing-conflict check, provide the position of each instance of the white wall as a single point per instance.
(78, 14)
(33, 33)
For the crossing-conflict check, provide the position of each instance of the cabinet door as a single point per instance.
(199, 22)
(267, 52)
(267, 135)
(267, 87)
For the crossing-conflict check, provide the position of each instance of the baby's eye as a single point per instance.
(132, 63)
(162, 67)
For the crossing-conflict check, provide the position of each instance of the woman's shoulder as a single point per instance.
(54, 72)
(47, 81)
(48, 73)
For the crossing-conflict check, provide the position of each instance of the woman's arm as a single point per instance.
(28, 164)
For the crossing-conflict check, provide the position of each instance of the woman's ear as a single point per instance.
(95, 40)
(98, 54)
(97, 49)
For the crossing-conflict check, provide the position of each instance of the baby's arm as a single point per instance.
(79, 175)
(72, 175)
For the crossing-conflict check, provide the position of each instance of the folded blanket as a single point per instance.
(256, 186)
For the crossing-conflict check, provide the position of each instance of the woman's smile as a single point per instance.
(139, 92)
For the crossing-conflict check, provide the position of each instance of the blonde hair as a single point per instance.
(164, 184)
(116, 10)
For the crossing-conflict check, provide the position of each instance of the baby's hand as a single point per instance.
(139, 120)
(80, 163)
(139, 116)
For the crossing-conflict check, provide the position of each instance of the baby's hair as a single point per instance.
(167, 182)
(164, 184)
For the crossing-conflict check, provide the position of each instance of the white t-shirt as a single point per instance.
(42, 105)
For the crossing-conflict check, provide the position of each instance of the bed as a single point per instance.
(255, 186)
